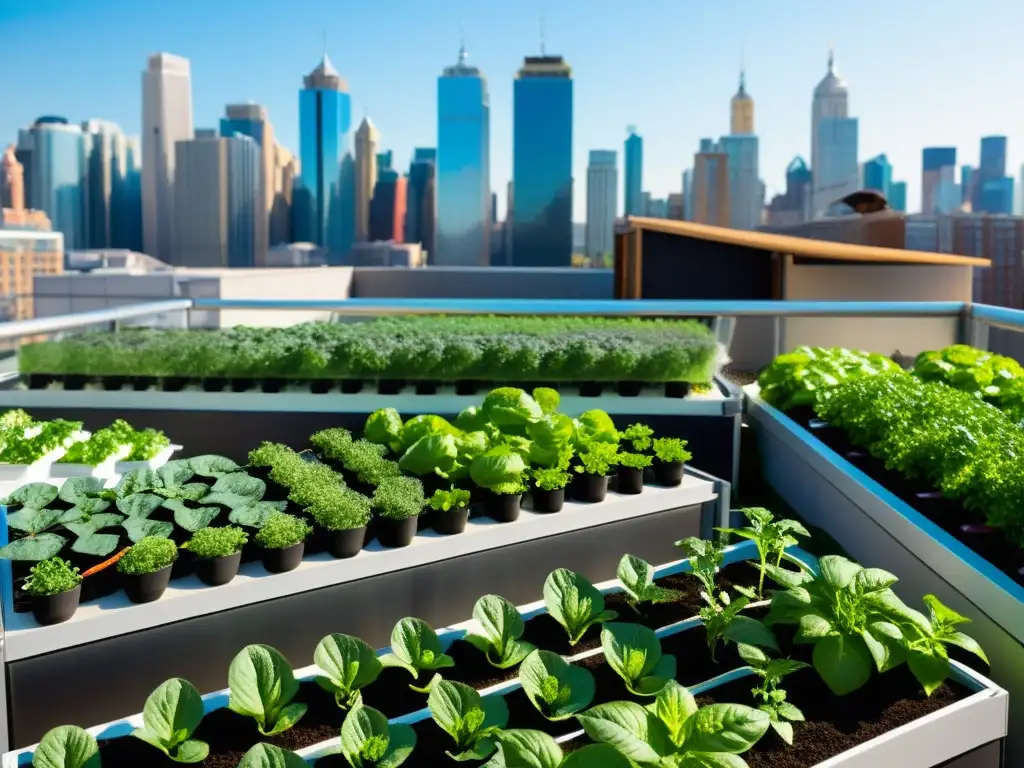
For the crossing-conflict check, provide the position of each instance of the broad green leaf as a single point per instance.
(873, 580)
(596, 756)
(838, 571)
(75, 490)
(229, 500)
(401, 743)
(137, 481)
(674, 706)
(139, 504)
(171, 714)
(76, 514)
(711, 760)
(192, 491)
(501, 626)
(941, 614)
(574, 603)
(192, 519)
(96, 544)
(254, 515)
(518, 748)
(633, 651)
(554, 686)
(139, 528)
(94, 523)
(29, 520)
(175, 474)
(191, 751)
(269, 756)
(790, 712)
(289, 715)
(743, 629)
(628, 727)
(210, 465)
(34, 548)
(67, 746)
(367, 740)
(969, 644)
(262, 684)
(240, 484)
(637, 579)
(784, 577)
(34, 495)
(753, 655)
(884, 642)
(414, 647)
(930, 667)
(463, 714)
(811, 627)
(348, 665)
(731, 728)
(843, 663)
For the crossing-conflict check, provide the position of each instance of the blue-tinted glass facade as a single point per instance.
(838, 157)
(934, 158)
(244, 201)
(126, 201)
(878, 175)
(997, 196)
(542, 168)
(993, 158)
(898, 196)
(990, 191)
(59, 177)
(421, 203)
(634, 174)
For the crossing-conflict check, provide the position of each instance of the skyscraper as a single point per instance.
(634, 173)
(463, 170)
(938, 164)
(688, 194)
(898, 196)
(420, 207)
(542, 163)
(878, 175)
(793, 206)
(166, 119)
(387, 208)
(323, 206)
(968, 177)
(251, 120)
(741, 109)
(114, 205)
(12, 181)
(746, 196)
(59, 178)
(367, 141)
(285, 173)
(602, 202)
(834, 176)
(711, 188)
(994, 190)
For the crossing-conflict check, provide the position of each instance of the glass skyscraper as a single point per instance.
(993, 192)
(463, 170)
(324, 198)
(542, 163)
(634, 173)
(838, 171)
(59, 174)
(878, 175)
(422, 197)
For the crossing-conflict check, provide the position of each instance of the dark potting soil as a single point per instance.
(390, 692)
(230, 736)
(835, 724)
(948, 514)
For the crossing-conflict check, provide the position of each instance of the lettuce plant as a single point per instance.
(103, 444)
(574, 603)
(634, 653)
(67, 746)
(673, 731)
(550, 478)
(416, 648)
(517, 748)
(633, 460)
(261, 686)
(773, 698)
(445, 501)
(369, 741)
(771, 537)
(432, 454)
(551, 440)
(639, 437)
(348, 665)
(671, 450)
(171, 714)
(554, 686)
(637, 579)
(596, 426)
(469, 718)
(269, 756)
(51, 577)
(384, 427)
(547, 398)
(596, 458)
(507, 407)
(497, 634)
(147, 444)
(500, 469)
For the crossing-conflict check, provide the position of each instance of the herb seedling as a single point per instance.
(282, 530)
(51, 577)
(724, 621)
(634, 460)
(705, 558)
(634, 652)
(269, 756)
(554, 686)
(596, 458)
(171, 715)
(500, 627)
(772, 697)
(150, 555)
(550, 478)
(348, 665)
(209, 543)
(416, 648)
(470, 719)
(399, 498)
(520, 747)
(637, 578)
(771, 537)
(926, 640)
(368, 740)
(671, 450)
(574, 603)
(638, 436)
(67, 746)
(445, 501)
(261, 686)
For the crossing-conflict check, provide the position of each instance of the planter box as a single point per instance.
(124, 467)
(437, 579)
(14, 475)
(106, 468)
(872, 524)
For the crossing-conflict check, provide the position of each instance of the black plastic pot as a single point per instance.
(142, 383)
(215, 384)
(351, 386)
(390, 386)
(669, 473)
(677, 389)
(271, 386)
(113, 383)
(630, 388)
(548, 502)
(218, 570)
(146, 587)
(74, 382)
(503, 507)
(283, 560)
(590, 489)
(591, 388)
(451, 522)
(175, 383)
(396, 533)
(241, 384)
(345, 544)
(629, 480)
(426, 387)
(54, 609)
(468, 386)
(320, 386)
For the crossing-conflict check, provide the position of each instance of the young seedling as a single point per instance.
(554, 686)
(634, 652)
(596, 458)
(574, 603)
(637, 578)
(67, 746)
(262, 686)
(51, 577)
(771, 537)
(639, 436)
(705, 558)
(772, 697)
(416, 648)
(368, 741)
(723, 621)
(348, 665)
(269, 756)
(445, 501)
(171, 714)
(500, 627)
(470, 719)
(528, 749)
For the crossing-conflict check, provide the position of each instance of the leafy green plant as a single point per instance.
(555, 687)
(269, 756)
(723, 621)
(470, 719)
(110, 442)
(369, 741)
(46, 438)
(209, 543)
(501, 470)
(399, 498)
(634, 460)
(550, 479)
(384, 427)
(282, 530)
(213, 465)
(51, 577)
(416, 648)
(547, 398)
(671, 450)
(926, 641)
(675, 731)
(772, 537)
(596, 426)
(348, 665)
(634, 653)
(147, 444)
(337, 508)
(445, 501)
(574, 603)
(171, 715)
(499, 627)
(639, 437)
(797, 377)
(506, 407)
(517, 748)
(705, 558)
(773, 698)
(432, 454)
(67, 746)
(551, 440)
(150, 555)
(596, 458)
(261, 686)
(637, 579)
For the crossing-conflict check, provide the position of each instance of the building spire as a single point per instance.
(831, 59)
(743, 81)
(542, 35)
(463, 53)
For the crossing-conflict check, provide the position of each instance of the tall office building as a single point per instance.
(323, 206)
(166, 119)
(711, 188)
(285, 173)
(794, 205)
(251, 120)
(938, 164)
(834, 176)
(878, 175)
(741, 109)
(688, 194)
(676, 206)
(387, 208)
(602, 202)
(59, 178)
(968, 177)
(367, 141)
(463, 169)
(542, 163)
(746, 195)
(12, 181)
(633, 174)
(993, 192)
(114, 197)
(421, 203)
(996, 196)
(898, 196)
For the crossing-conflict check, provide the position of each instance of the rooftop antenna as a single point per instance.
(463, 54)
(542, 36)
(831, 57)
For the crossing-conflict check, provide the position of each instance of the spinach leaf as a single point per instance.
(67, 746)
(369, 741)
(262, 686)
(348, 664)
(416, 648)
(470, 719)
(171, 714)
(500, 627)
(535, 749)
(554, 686)
(574, 603)
(637, 579)
(269, 756)
(634, 652)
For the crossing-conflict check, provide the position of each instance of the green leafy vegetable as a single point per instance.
(554, 686)
(399, 498)
(723, 621)
(416, 648)
(796, 378)
(269, 756)
(510, 407)
(262, 686)
(209, 543)
(639, 437)
(171, 714)
(348, 665)
(671, 450)
(596, 458)
(67, 746)
(550, 478)
(150, 555)
(444, 501)
(574, 603)
(211, 465)
(772, 537)
(634, 653)
(51, 577)
(705, 558)
(773, 698)
(384, 427)
(501, 470)
(471, 720)
(282, 530)
(536, 749)
(633, 460)
(369, 741)
(547, 398)
(499, 627)
(637, 579)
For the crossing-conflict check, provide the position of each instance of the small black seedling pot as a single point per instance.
(396, 533)
(146, 587)
(218, 570)
(629, 480)
(345, 544)
(285, 559)
(669, 474)
(503, 507)
(54, 609)
(590, 489)
(548, 502)
(451, 522)
(677, 388)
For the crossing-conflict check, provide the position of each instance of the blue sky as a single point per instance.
(920, 72)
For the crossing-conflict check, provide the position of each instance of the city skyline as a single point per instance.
(673, 77)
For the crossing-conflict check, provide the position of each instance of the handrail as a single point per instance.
(998, 317)
(57, 323)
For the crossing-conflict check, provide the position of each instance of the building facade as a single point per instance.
(792, 206)
(898, 196)
(741, 109)
(388, 207)
(831, 102)
(542, 163)
(25, 253)
(59, 178)
(878, 175)
(114, 196)
(633, 173)
(285, 174)
(746, 195)
(938, 164)
(602, 202)
(991, 172)
(422, 197)
(12, 180)
(711, 189)
(367, 143)
(837, 173)
(251, 120)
